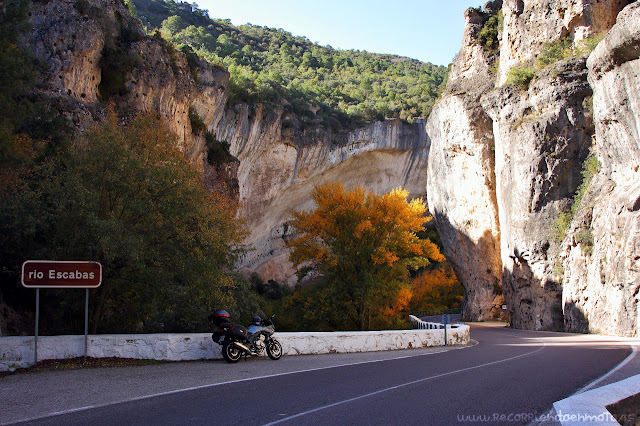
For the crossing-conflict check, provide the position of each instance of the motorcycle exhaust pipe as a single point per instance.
(241, 346)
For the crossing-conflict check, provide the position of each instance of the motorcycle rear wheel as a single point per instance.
(274, 349)
(230, 353)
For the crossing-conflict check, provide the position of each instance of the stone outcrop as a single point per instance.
(162, 84)
(85, 43)
(541, 139)
(528, 25)
(70, 40)
(602, 251)
(540, 136)
(461, 177)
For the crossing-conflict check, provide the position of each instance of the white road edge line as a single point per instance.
(335, 404)
(211, 385)
(634, 351)
(622, 363)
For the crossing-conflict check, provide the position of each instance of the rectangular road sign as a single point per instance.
(61, 274)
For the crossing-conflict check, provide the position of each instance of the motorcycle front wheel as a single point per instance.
(274, 349)
(230, 353)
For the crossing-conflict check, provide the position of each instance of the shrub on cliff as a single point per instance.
(488, 35)
(552, 52)
(565, 48)
(521, 76)
(590, 168)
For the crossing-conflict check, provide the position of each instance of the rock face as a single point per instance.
(602, 271)
(162, 84)
(95, 45)
(71, 43)
(542, 138)
(538, 138)
(461, 177)
(528, 25)
(279, 167)
(95, 50)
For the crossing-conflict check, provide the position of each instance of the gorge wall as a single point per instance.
(517, 156)
(602, 270)
(279, 167)
(502, 162)
(461, 180)
(95, 50)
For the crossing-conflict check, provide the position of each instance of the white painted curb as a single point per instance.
(17, 352)
(591, 407)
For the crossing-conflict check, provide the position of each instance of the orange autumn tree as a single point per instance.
(437, 288)
(364, 245)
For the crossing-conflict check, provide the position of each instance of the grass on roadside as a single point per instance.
(81, 362)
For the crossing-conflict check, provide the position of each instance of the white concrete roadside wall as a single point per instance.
(591, 407)
(17, 352)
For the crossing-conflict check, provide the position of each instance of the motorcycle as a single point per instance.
(237, 340)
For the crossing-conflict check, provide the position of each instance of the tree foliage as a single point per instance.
(126, 197)
(436, 288)
(312, 307)
(336, 88)
(121, 195)
(364, 245)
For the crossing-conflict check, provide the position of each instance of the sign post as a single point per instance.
(446, 319)
(61, 274)
(35, 343)
(86, 321)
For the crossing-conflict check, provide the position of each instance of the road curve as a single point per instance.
(506, 377)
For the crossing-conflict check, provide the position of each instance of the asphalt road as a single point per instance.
(506, 377)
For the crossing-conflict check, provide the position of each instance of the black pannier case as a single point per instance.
(239, 332)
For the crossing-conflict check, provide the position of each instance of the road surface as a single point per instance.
(505, 377)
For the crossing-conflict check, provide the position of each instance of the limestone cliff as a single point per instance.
(461, 177)
(94, 46)
(96, 52)
(602, 251)
(279, 166)
(542, 137)
(541, 133)
(528, 25)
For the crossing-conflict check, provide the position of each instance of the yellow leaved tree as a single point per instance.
(436, 288)
(364, 245)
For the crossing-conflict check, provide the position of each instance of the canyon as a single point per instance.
(277, 165)
(499, 163)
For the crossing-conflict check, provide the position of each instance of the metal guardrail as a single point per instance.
(435, 312)
(418, 324)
